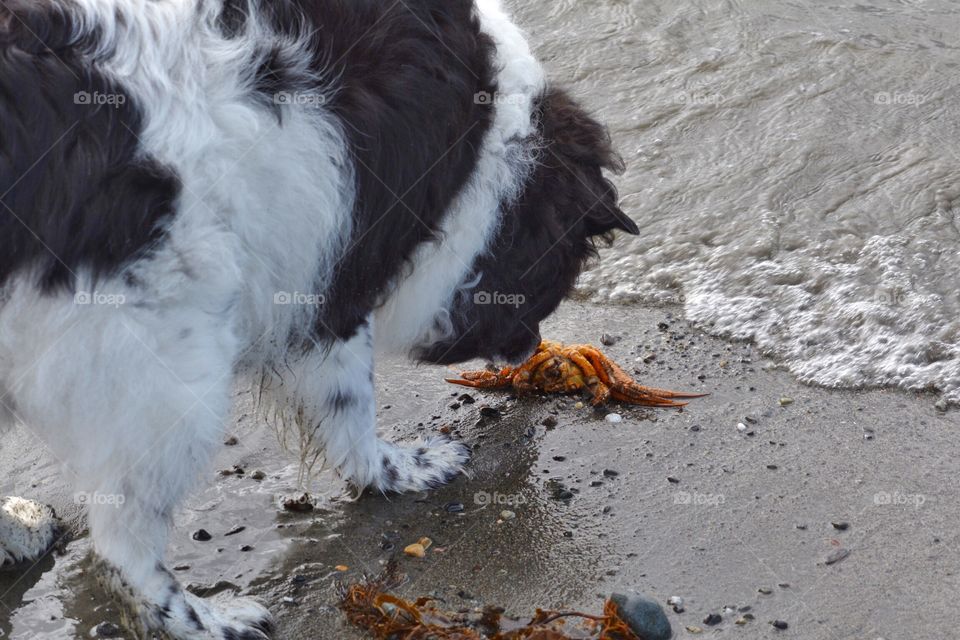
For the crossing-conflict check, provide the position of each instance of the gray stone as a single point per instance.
(644, 616)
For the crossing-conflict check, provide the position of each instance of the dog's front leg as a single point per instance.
(332, 390)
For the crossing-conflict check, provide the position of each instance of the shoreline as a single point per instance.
(690, 506)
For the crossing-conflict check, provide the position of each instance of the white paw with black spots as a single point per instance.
(27, 530)
(245, 619)
(194, 618)
(421, 466)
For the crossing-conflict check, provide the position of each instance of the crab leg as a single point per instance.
(624, 388)
(599, 389)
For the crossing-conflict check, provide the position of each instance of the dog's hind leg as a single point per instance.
(332, 392)
(132, 402)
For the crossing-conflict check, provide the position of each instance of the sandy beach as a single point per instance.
(690, 504)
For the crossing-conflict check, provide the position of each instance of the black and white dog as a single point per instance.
(196, 192)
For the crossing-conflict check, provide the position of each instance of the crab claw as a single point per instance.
(480, 380)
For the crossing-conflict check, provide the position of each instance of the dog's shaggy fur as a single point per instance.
(194, 192)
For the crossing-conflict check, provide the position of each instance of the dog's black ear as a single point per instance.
(602, 221)
(581, 150)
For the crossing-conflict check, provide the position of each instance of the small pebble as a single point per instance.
(507, 515)
(837, 556)
(765, 590)
(840, 526)
(549, 422)
(301, 504)
(490, 412)
(419, 548)
(741, 427)
(258, 475)
(579, 405)
(677, 603)
(106, 630)
(202, 535)
(235, 531)
(231, 441)
(786, 402)
(454, 507)
(780, 624)
(614, 418)
(713, 619)
(608, 340)
(694, 629)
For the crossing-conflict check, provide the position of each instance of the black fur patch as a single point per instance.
(340, 401)
(74, 194)
(233, 17)
(195, 619)
(407, 76)
(391, 471)
(544, 242)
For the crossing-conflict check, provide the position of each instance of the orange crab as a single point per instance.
(558, 368)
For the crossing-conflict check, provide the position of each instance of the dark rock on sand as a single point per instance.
(713, 619)
(490, 412)
(837, 556)
(644, 616)
(106, 630)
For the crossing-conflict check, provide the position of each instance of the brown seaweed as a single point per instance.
(369, 606)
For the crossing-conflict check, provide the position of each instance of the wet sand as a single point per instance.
(743, 511)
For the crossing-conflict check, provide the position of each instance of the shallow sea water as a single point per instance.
(794, 168)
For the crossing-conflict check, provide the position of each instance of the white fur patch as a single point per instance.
(27, 530)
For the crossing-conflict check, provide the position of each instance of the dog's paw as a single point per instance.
(27, 530)
(223, 619)
(421, 466)
(242, 619)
